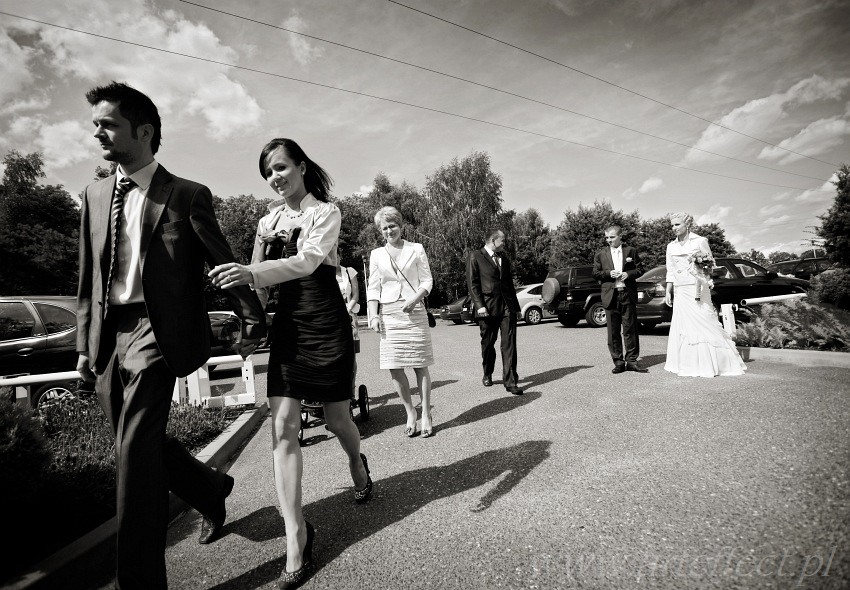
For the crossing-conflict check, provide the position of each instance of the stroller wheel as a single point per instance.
(363, 402)
(304, 417)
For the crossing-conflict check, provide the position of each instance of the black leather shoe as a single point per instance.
(487, 381)
(514, 390)
(213, 523)
(618, 369)
(636, 368)
(364, 495)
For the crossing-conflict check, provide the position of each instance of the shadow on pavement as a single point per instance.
(652, 360)
(486, 410)
(547, 376)
(341, 524)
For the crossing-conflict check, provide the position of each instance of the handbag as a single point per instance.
(432, 321)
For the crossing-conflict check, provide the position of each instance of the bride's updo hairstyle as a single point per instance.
(685, 218)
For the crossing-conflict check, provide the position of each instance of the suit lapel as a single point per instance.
(100, 201)
(405, 255)
(609, 258)
(157, 198)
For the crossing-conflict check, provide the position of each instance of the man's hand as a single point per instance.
(246, 347)
(482, 312)
(84, 369)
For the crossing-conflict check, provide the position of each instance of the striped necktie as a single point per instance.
(122, 187)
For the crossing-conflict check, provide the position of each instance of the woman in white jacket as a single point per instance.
(399, 279)
(698, 346)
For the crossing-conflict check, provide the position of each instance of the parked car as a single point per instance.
(572, 293)
(226, 329)
(452, 311)
(804, 268)
(735, 279)
(531, 304)
(38, 335)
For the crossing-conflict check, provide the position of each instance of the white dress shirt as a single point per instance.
(617, 257)
(127, 282)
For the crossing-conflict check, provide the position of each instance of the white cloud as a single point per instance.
(173, 82)
(815, 139)
(826, 192)
(715, 214)
(14, 69)
(302, 50)
(772, 209)
(32, 103)
(759, 116)
(776, 220)
(649, 185)
(63, 144)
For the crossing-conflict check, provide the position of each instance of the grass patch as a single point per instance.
(72, 489)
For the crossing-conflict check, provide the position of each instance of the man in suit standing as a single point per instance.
(491, 286)
(144, 238)
(616, 268)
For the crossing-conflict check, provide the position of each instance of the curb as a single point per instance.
(97, 546)
(805, 358)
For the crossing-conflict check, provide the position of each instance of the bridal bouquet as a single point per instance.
(700, 267)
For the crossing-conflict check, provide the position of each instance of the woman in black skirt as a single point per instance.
(312, 351)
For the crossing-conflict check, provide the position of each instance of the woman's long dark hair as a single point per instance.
(316, 180)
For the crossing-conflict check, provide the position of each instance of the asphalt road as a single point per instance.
(589, 480)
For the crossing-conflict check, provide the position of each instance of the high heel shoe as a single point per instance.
(426, 432)
(290, 580)
(364, 495)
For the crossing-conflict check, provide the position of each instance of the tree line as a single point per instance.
(39, 226)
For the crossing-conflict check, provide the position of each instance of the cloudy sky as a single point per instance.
(737, 111)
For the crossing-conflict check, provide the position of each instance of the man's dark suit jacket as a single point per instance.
(603, 264)
(487, 287)
(179, 233)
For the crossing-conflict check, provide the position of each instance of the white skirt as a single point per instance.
(698, 345)
(405, 338)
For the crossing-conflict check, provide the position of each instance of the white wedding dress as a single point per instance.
(698, 346)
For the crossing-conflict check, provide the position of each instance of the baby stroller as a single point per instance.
(360, 400)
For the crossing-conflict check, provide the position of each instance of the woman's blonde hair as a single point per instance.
(388, 213)
(685, 218)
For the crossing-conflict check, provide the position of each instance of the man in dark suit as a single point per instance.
(491, 286)
(616, 268)
(144, 238)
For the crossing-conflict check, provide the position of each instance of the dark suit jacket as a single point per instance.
(487, 287)
(179, 233)
(603, 264)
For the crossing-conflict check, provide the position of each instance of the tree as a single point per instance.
(463, 200)
(582, 233)
(238, 218)
(835, 223)
(532, 240)
(652, 241)
(716, 236)
(756, 256)
(780, 256)
(39, 229)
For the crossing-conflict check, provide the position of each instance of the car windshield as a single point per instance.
(656, 274)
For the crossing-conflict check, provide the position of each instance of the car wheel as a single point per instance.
(533, 315)
(596, 316)
(49, 393)
(568, 321)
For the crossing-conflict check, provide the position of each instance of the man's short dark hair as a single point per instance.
(492, 234)
(133, 105)
(614, 228)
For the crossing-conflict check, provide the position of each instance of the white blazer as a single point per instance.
(678, 266)
(387, 286)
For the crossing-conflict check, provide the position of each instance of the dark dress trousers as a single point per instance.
(619, 305)
(492, 287)
(137, 351)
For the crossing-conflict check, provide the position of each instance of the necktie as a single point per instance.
(496, 262)
(122, 187)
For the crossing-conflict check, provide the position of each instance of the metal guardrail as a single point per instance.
(192, 389)
(772, 299)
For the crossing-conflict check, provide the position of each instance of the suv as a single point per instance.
(572, 294)
(39, 335)
(804, 268)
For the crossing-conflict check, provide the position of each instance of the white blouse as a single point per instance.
(678, 265)
(317, 242)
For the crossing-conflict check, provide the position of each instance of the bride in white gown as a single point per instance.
(698, 345)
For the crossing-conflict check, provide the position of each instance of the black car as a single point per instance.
(454, 311)
(573, 294)
(804, 268)
(38, 335)
(735, 279)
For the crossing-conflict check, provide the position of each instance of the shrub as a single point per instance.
(70, 459)
(796, 324)
(832, 286)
